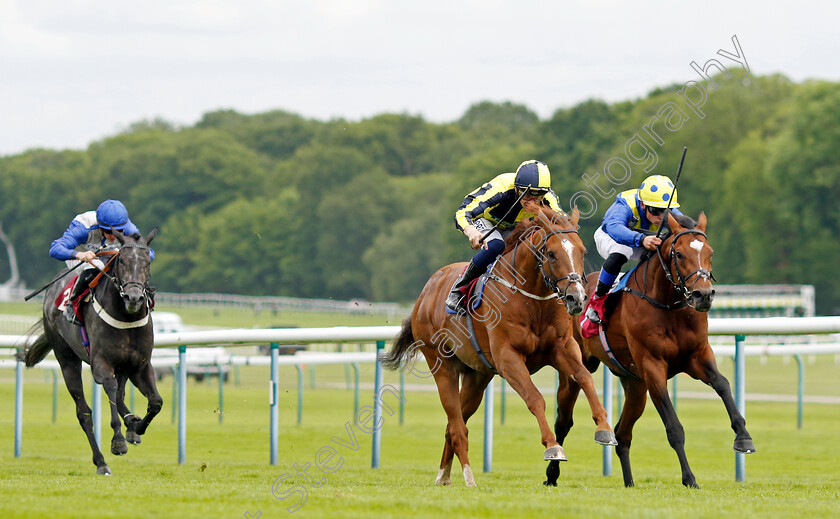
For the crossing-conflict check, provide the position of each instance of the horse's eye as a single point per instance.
(551, 254)
(680, 256)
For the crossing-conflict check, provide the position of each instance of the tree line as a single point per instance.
(278, 204)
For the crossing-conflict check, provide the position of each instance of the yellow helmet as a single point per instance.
(656, 190)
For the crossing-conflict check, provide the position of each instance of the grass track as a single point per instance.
(796, 473)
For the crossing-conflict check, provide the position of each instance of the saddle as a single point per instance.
(474, 292)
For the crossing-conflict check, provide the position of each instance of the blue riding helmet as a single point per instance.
(112, 214)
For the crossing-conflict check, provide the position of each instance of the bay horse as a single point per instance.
(120, 329)
(657, 328)
(524, 323)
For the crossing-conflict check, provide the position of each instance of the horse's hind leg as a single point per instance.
(656, 383)
(104, 374)
(704, 368)
(144, 381)
(472, 391)
(446, 378)
(129, 419)
(634, 405)
(71, 368)
(567, 393)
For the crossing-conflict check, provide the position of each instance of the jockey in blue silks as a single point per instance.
(90, 232)
(620, 237)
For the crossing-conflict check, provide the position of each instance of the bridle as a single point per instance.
(682, 287)
(116, 279)
(549, 280)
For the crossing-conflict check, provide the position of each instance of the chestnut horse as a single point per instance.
(521, 327)
(658, 328)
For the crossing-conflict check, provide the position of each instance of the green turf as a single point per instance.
(227, 473)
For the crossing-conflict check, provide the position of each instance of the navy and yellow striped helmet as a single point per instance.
(533, 175)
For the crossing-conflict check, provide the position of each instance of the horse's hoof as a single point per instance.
(745, 445)
(118, 447)
(103, 470)
(443, 479)
(469, 479)
(555, 453)
(605, 437)
(133, 438)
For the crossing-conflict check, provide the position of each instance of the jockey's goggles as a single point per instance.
(655, 211)
(535, 193)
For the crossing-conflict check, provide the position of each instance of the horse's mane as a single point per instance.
(685, 221)
(527, 225)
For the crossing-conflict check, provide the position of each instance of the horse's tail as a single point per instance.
(401, 348)
(36, 351)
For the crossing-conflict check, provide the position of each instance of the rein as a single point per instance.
(111, 266)
(549, 281)
(681, 287)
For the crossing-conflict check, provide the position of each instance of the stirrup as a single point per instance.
(453, 301)
(593, 316)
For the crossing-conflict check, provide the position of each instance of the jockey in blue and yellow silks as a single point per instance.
(619, 238)
(498, 202)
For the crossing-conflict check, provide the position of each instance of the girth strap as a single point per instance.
(624, 371)
(476, 346)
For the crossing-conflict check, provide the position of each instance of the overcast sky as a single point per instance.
(75, 71)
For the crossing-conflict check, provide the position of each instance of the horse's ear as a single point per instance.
(673, 224)
(701, 222)
(151, 236)
(575, 215)
(119, 236)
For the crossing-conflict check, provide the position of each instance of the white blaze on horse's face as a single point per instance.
(698, 246)
(569, 247)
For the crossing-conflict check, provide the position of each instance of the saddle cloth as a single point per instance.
(590, 329)
(474, 292)
(63, 298)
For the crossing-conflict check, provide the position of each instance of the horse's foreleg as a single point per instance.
(655, 378)
(568, 360)
(71, 368)
(634, 405)
(104, 374)
(567, 393)
(129, 419)
(704, 368)
(512, 367)
(144, 381)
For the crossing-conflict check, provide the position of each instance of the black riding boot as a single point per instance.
(82, 283)
(453, 300)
